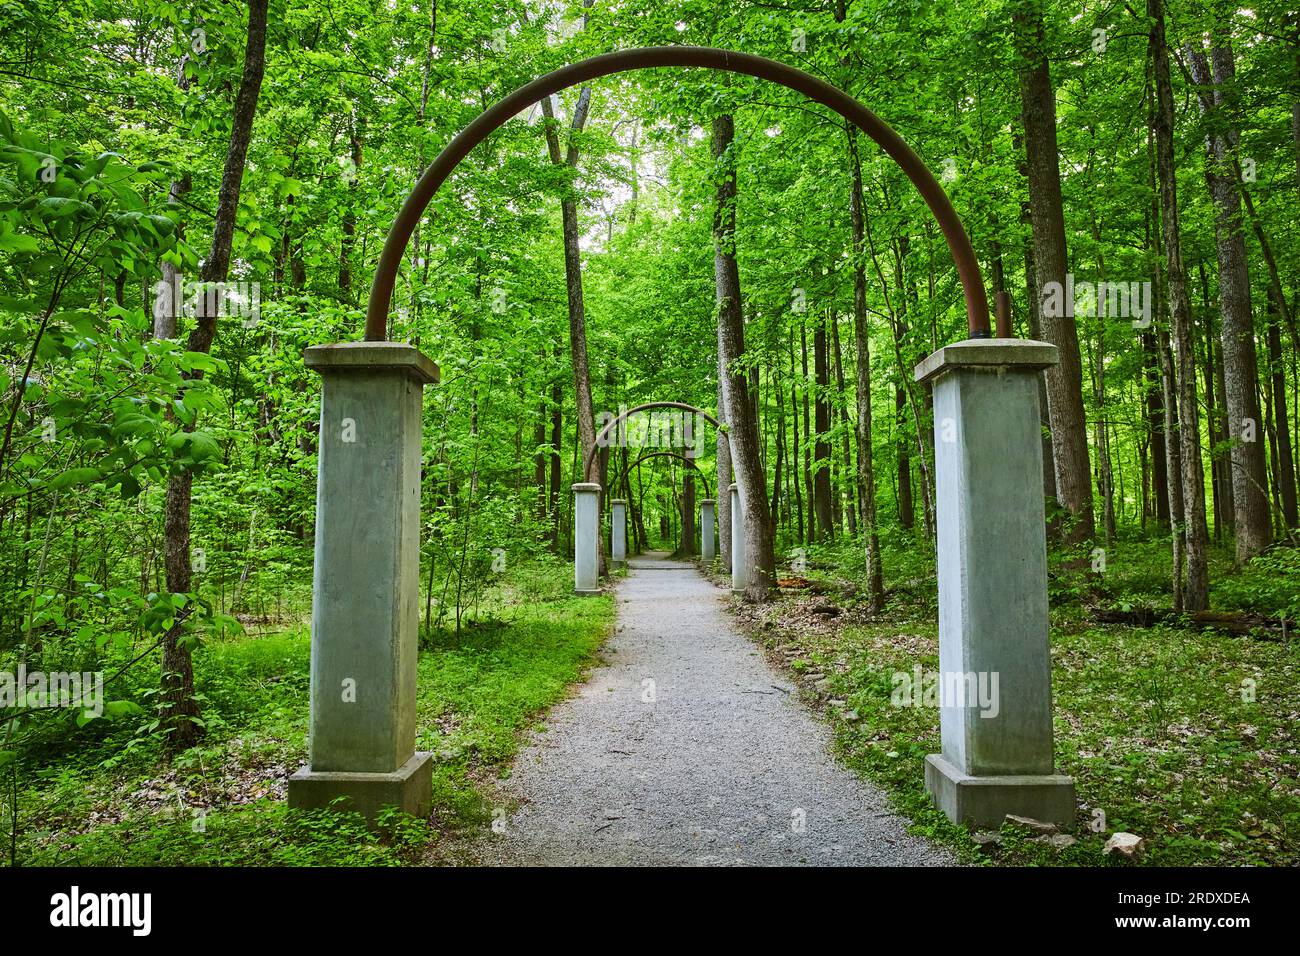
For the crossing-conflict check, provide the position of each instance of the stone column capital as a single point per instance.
(372, 357)
(1024, 355)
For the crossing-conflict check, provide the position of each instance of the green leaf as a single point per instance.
(17, 242)
(75, 476)
(117, 709)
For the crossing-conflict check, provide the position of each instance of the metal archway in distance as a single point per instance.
(642, 459)
(492, 119)
(618, 420)
(664, 454)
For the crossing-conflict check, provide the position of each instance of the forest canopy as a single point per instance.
(191, 194)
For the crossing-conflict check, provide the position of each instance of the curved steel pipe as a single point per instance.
(664, 454)
(963, 254)
(603, 434)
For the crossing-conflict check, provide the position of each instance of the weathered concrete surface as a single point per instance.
(1026, 354)
(986, 801)
(707, 550)
(586, 531)
(618, 532)
(720, 768)
(409, 788)
(365, 611)
(739, 560)
(992, 571)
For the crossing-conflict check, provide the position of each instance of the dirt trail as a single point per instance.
(688, 748)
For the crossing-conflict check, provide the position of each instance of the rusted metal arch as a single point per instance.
(663, 454)
(963, 254)
(603, 434)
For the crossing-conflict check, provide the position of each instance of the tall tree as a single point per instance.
(866, 479)
(573, 266)
(822, 423)
(1237, 328)
(1065, 379)
(1196, 596)
(179, 709)
(741, 422)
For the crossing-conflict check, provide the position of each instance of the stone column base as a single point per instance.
(985, 801)
(410, 788)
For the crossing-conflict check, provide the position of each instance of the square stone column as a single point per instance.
(586, 538)
(992, 575)
(707, 551)
(365, 588)
(739, 562)
(618, 532)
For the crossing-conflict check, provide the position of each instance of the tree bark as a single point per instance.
(822, 422)
(866, 478)
(179, 711)
(557, 439)
(1277, 381)
(688, 513)
(794, 456)
(846, 446)
(1155, 420)
(1237, 329)
(1065, 379)
(1196, 596)
(1034, 299)
(741, 423)
(573, 269)
(723, 507)
(349, 226)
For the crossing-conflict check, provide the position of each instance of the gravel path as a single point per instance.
(722, 767)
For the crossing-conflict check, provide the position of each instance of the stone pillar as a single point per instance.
(618, 532)
(706, 530)
(994, 658)
(586, 534)
(739, 562)
(365, 588)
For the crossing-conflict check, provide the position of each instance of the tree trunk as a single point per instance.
(778, 470)
(1155, 419)
(179, 710)
(1065, 379)
(1240, 364)
(866, 478)
(822, 421)
(573, 270)
(1220, 466)
(557, 444)
(349, 227)
(688, 513)
(810, 493)
(1034, 302)
(794, 456)
(1277, 380)
(1197, 594)
(846, 447)
(743, 427)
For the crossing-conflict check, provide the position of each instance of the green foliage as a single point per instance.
(98, 796)
(115, 121)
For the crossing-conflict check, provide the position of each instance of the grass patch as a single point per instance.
(1187, 738)
(104, 795)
